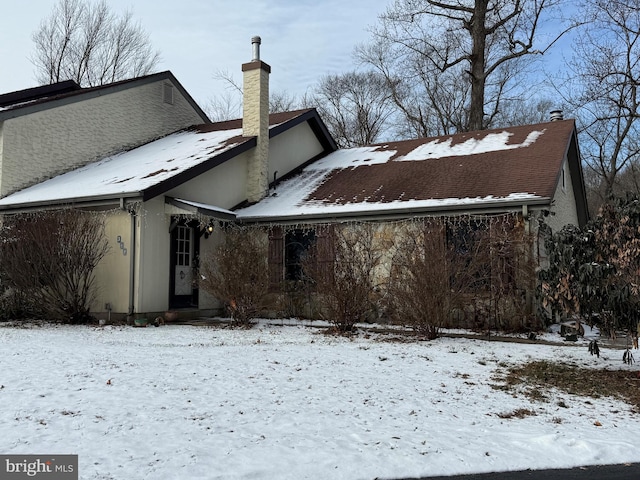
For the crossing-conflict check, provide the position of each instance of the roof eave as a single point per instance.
(94, 202)
(317, 125)
(486, 208)
(200, 210)
(94, 92)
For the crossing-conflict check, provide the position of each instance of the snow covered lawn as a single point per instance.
(288, 402)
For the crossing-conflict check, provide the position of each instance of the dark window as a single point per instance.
(484, 254)
(290, 249)
(468, 241)
(297, 247)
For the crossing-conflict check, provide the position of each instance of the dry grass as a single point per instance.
(536, 376)
(519, 413)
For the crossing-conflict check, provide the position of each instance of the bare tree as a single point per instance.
(350, 285)
(356, 106)
(88, 43)
(236, 273)
(449, 63)
(519, 111)
(283, 101)
(224, 106)
(51, 257)
(603, 90)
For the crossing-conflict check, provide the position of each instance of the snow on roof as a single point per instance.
(133, 171)
(492, 142)
(16, 105)
(352, 157)
(206, 206)
(290, 199)
(341, 183)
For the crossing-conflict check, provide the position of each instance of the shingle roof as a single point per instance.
(150, 169)
(485, 167)
(15, 99)
(49, 96)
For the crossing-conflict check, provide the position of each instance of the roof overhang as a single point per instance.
(89, 203)
(488, 208)
(189, 207)
(76, 95)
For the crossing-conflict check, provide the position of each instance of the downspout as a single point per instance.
(132, 263)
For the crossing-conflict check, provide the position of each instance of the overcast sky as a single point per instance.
(301, 39)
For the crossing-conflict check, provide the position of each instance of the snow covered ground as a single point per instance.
(289, 402)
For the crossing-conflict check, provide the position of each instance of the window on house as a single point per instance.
(168, 93)
(298, 245)
(289, 249)
(484, 254)
(468, 268)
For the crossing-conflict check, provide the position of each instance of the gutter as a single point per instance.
(400, 213)
(132, 263)
(98, 201)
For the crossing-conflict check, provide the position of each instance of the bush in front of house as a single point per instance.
(15, 304)
(465, 272)
(236, 273)
(350, 284)
(50, 259)
(425, 275)
(594, 271)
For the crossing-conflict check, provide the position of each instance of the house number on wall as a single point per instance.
(121, 243)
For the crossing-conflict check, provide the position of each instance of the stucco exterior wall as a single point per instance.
(223, 186)
(42, 144)
(564, 211)
(152, 257)
(207, 246)
(291, 148)
(113, 272)
(1, 146)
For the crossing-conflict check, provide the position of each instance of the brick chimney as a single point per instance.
(255, 122)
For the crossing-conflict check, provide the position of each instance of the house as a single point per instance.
(52, 129)
(165, 177)
(160, 181)
(520, 181)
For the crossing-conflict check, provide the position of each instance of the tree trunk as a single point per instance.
(478, 59)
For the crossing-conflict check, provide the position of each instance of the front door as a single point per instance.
(184, 258)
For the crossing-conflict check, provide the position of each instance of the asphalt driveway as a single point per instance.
(630, 471)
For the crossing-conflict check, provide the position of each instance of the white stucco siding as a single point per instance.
(1, 145)
(113, 272)
(207, 246)
(292, 148)
(223, 186)
(45, 143)
(152, 257)
(564, 210)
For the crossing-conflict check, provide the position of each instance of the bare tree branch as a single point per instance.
(88, 43)
(433, 46)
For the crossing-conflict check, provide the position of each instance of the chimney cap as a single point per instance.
(255, 43)
(556, 115)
